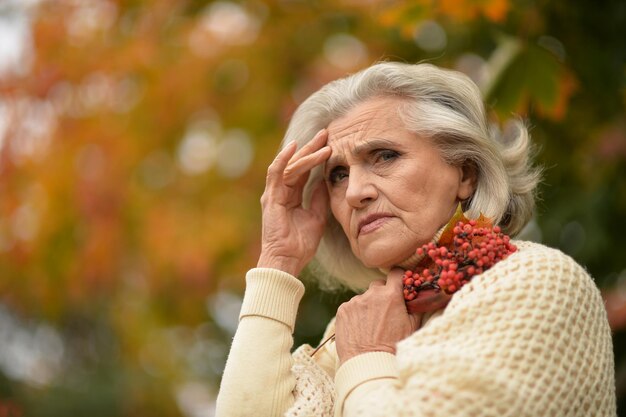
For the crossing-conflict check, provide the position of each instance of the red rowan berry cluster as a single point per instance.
(473, 250)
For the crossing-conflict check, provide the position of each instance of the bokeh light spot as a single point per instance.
(235, 153)
(430, 36)
(16, 44)
(231, 23)
(197, 150)
(345, 51)
(474, 66)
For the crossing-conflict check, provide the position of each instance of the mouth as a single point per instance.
(372, 223)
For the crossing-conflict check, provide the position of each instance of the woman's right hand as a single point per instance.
(291, 233)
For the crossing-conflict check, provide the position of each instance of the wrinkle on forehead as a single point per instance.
(375, 120)
(374, 116)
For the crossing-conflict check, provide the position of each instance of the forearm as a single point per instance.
(257, 379)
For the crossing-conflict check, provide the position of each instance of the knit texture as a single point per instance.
(257, 379)
(529, 337)
(314, 390)
(270, 286)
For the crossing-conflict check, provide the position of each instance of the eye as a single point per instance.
(337, 174)
(385, 155)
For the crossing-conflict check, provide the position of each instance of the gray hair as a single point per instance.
(445, 106)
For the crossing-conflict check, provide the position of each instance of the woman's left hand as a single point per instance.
(375, 320)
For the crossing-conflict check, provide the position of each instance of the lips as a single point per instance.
(372, 222)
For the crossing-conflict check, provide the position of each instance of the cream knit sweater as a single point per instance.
(529, 337)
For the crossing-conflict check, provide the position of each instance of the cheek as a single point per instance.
(340, 213)
(431, 197)
(408, 195)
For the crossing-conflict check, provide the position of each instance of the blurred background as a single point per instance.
(134, 139)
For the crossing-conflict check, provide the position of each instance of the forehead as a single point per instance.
(371, 118)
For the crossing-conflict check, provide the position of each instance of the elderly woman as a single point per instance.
(398, 148)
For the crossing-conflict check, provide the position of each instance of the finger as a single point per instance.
(319, 201)
(314, 144)
(297, 194)
(277, 167)
(296, 169)
(395, 278)
(416, 320)
(428, 303)
(295, 163)
(298, 187)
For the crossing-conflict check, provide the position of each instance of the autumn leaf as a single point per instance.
(447, 235)
(524, 76)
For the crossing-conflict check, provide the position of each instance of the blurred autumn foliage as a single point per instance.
(134, 138)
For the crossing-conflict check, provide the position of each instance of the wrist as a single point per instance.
(273, 294)
(346, 356)
(286, 264)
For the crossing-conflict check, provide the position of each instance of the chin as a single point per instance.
(384, 256)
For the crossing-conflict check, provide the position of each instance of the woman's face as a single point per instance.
(389, 189)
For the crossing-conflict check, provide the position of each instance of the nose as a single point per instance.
(361, 189)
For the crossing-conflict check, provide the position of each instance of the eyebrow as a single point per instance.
(359, 150)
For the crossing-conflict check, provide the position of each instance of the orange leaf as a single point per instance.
(447, 236)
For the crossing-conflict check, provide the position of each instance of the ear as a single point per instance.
(467, 184)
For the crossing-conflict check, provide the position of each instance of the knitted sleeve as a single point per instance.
(262, 377)
(529, 337)
(257, 379)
